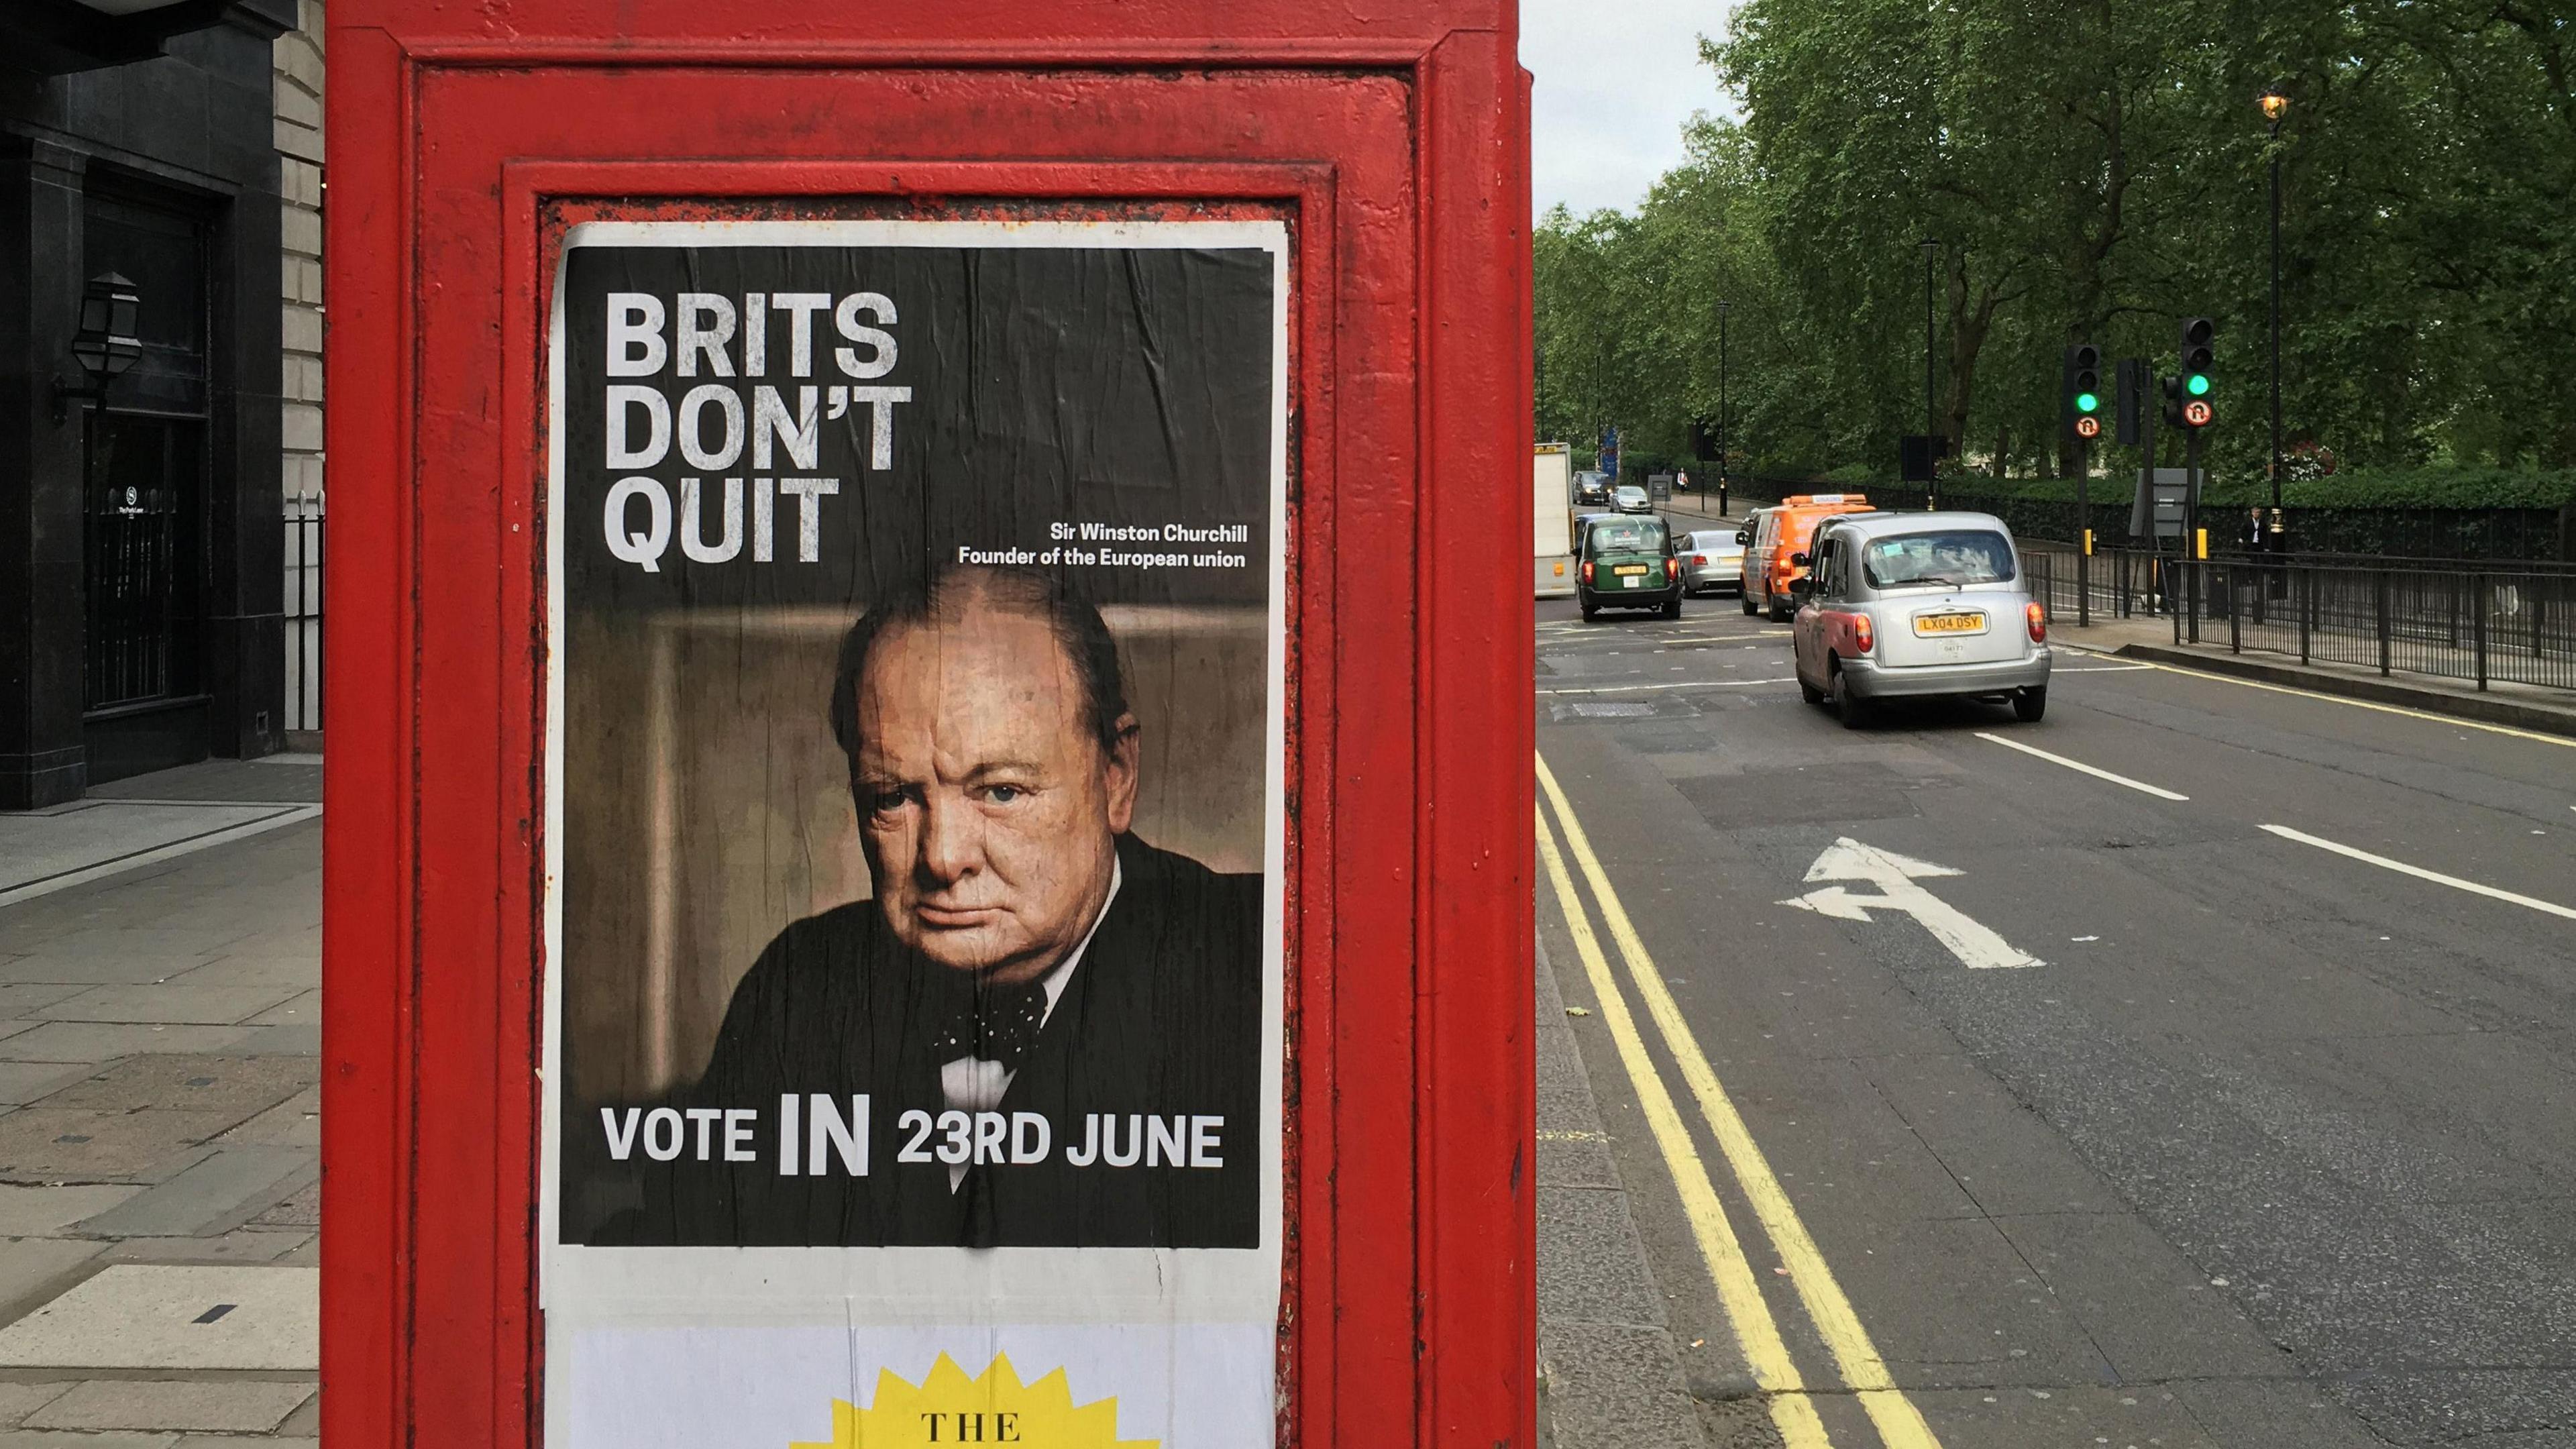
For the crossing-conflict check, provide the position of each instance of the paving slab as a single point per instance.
(50, 1144)
(113, 938)
(41, 967)
(292, 972)
(295, 1122)
(176, 1002)
(75, 1439)
(21, 1001)
(31, 1266)
(242, 1245)
(303, 1210)
(303, 1040)
(87, 1041)
(236, 1406)
(35, 1212)
(214, 1194)
(24, 1082)
(19, 1400)
(1607, 1386)
(63, 849)
(152, 1316)
(241, 1085)
(302, 1009)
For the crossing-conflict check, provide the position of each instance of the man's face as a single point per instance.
(988, 813)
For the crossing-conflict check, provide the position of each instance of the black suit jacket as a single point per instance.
(1162, 1019)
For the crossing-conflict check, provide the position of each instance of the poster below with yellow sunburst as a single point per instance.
(1186, 1385)
(993, 1407)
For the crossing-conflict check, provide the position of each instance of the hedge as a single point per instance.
(2376, 488)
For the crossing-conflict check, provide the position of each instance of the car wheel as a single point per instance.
(1779, 615)
(2030, 704)
(1806, 691)
(1854, 710)
(1746, 598)
(1591, 611)
(1673, 610)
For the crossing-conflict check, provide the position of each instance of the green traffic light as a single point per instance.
(2086, 402)
(2198, 384)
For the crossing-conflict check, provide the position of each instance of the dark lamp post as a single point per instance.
(1932, 488)
(106, 344)
(2275, 107)
(1725, 435)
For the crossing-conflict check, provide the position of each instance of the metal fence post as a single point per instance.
(2478, 586)
(2235, 640)
(2379, 588)
(2307, 580)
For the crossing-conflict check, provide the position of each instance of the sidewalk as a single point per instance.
(160, 973)
(1610, 1374)
(2150, 639)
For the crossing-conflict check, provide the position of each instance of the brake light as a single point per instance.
(1587, 571)
(1699, 560)
(1863, 635)
(1672, 567)
(2038, 618)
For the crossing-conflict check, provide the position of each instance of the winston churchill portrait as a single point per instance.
(1038, 1030)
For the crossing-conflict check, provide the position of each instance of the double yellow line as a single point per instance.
(1856, 1360)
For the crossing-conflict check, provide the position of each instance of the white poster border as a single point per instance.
(582, 1285)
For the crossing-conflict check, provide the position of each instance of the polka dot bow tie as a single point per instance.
(995, 1025)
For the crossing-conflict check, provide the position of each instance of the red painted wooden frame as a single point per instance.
(1397, 138)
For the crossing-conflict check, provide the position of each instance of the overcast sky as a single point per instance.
(1616, 79)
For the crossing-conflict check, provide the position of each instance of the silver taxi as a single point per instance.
(1916, 605)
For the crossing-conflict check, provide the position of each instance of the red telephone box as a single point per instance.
(929, 799)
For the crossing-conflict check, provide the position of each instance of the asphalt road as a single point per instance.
(2277, 1147)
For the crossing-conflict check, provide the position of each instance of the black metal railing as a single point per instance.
(303, 626)
(2480, 624)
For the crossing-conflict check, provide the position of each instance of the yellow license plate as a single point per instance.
(1950, 624)
(1624, 570)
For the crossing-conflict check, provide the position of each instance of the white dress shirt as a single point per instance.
(972, 1084)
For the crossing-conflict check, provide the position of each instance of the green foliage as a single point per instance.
(2430, 487)
(2094, 172)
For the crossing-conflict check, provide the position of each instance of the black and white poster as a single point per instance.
(915, 769)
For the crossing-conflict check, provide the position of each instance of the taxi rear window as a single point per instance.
(1628, 535)
(1956, 557)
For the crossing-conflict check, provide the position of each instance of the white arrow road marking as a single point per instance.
(1847, 859)
(2420, 873)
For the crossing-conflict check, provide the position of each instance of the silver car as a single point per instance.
(1629, 498)
(1915, 605)
(1712, 561)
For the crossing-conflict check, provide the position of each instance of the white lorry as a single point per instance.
(1552, 519)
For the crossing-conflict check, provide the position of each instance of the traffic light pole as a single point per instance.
(2191, 532)
(2083, 537)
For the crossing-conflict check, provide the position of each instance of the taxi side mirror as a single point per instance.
(1743, 536)
(1799, 560)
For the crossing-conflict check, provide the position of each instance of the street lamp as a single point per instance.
(1932, 484)
(1725, 434)
(2275, 106)
(107, 342)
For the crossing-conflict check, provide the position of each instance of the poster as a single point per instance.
(915, 762)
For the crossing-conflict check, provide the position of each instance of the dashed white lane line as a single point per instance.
(2095, 771)
(2420, 873)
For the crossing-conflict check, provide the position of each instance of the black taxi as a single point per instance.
(1627, 562)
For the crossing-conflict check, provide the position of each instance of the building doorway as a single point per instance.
(145, 503)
